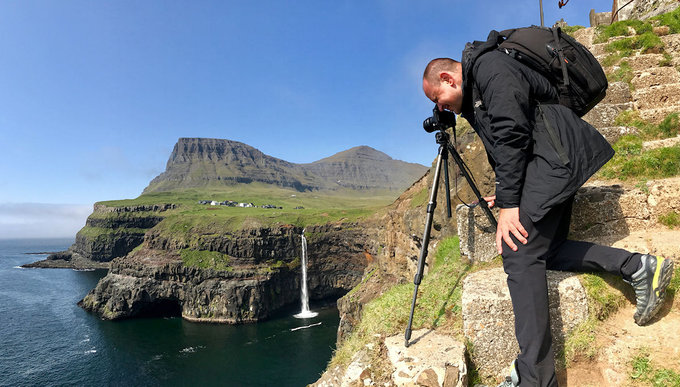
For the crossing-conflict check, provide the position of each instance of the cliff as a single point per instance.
(245, 276)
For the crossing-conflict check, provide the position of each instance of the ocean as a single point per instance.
(47, 340)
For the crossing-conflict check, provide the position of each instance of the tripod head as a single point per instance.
(442, 137)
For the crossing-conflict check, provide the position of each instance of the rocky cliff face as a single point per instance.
(643, 9)
(112, 232)
(263, 274)
(200, 162)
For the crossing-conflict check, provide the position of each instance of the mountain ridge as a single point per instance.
(201, 162)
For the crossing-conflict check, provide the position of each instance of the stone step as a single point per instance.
(643, 61)
(599, 51)
(665, 143)
(585, 36)
(640, 61)
(431, 359)
(488, 319)
(657, 97)
(655, 76)
(671, 43)
(604, 114)
(601, 210)
(657, 241)
(617, 92)
(657, 115)
(613, 133)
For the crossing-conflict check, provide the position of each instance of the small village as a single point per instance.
(231, 203)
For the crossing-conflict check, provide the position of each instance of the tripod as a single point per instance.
(445, 148)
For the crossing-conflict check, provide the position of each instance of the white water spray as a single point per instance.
(305, 312)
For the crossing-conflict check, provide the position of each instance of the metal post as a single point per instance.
(540, 2)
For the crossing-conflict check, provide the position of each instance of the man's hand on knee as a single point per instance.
(508, 223)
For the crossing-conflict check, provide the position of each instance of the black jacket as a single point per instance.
(514, 110)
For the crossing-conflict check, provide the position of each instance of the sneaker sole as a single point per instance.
(660, 293)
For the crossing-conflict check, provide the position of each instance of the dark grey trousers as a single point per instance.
(548, 248)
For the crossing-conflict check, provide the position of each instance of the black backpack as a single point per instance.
(566, 63)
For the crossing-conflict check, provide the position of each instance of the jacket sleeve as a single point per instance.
(505, 94)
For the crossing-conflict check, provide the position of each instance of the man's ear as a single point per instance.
(446, 77)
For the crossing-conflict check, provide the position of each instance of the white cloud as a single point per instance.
(41, 220)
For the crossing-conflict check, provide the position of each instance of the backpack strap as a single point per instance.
(563, 63)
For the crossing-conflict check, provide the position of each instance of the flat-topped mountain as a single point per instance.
(203, 162)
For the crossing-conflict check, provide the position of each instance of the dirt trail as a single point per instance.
(619, 340)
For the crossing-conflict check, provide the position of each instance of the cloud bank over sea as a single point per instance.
(42, 220)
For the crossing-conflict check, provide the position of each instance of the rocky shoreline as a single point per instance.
(67, 260)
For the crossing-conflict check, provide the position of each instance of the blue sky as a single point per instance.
(94, 94)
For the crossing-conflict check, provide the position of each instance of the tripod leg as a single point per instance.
(426, 238)
(448, 188)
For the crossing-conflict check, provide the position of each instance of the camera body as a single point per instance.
(440, 120)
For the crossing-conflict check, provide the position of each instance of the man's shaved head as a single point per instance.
(443, 84)
(436, 66)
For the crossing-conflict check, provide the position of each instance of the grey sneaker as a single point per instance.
(513, 379)
(650, 284)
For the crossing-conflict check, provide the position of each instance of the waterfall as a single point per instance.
(304, 297)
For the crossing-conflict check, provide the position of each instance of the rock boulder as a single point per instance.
(488, 319)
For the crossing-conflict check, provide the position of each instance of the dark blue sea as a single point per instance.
(47, 340)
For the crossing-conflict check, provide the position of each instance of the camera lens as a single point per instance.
(430, 124)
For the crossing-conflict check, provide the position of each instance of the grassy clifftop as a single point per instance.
(317, 208)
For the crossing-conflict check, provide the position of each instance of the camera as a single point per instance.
(440, 120)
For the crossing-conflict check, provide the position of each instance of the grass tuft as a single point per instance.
(654, 164)
(621, 28)
(631, 162)
(669, 127)
(667, 60)
(571, 29)
(644, 371)
(646, 43)
(606, 294)
(642, 186)
(670, 220)
(205, 259)
(670, 19)
(420, 199)
(623, 74)
(580, 343)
